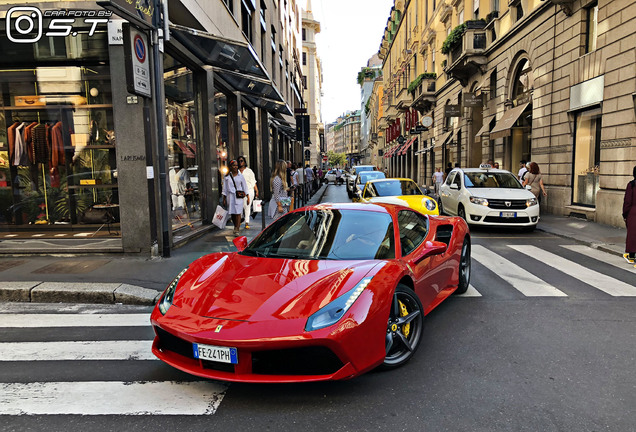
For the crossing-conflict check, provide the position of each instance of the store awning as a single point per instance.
(507, 121)
(483, 130)
(391, 151)
(407, 146)
(444, 140)
(235, 62)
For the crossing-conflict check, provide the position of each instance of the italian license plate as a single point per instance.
(215, 353)
(508, 214)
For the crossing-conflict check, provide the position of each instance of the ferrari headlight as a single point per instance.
(429, 204)
(479, 201)
(331, 313)
(168, 295)
(531, 202)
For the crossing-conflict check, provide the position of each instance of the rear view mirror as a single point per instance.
(454, 186)
(431, 248)
(240, 243)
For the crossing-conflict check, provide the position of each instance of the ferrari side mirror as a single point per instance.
(431, 248)
(240, 243)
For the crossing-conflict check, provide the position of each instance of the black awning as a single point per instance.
(220, 52)
(269, 105)
(250, 85)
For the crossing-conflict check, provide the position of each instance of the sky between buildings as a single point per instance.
(351, 32)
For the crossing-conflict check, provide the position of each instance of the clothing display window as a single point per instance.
(587, 156)
(183, 145)
(222, 137)
(58, 167)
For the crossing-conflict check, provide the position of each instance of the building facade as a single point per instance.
(110, 143)
(549, 81)
(366, 80)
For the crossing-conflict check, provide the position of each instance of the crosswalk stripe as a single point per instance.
(111, 398)
(609, 285)
(608, 258)
(73, 320)
(76, 350)
(521, 279)
(470, 292)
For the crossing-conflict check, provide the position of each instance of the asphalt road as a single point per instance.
(545, 340)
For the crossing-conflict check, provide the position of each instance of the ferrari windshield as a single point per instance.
(327, 234)
(394, 188)
(491, 180)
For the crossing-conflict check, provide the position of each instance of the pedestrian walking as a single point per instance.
(629, 215)
(438, 178)
(280, 202)
(234, 192)
(522, 170)
(534, 179)
(309, 180)
(252, 189)
(449, 168)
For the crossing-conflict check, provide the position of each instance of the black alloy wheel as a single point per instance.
(404, 329)
(464, 268)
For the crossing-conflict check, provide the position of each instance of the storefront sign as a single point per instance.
(472, 100)
(452, 111)
(587, 93)
(115, 32)
(140, 12)
(137, 64)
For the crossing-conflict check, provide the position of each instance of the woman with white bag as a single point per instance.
(234, 192)
(252, 189)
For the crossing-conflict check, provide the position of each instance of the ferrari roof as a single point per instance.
(376, 207)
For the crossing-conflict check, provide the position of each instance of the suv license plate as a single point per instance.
(508, 214)
(215, 353)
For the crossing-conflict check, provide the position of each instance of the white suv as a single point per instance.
(485, 196)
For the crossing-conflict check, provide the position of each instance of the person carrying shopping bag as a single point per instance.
(234, 192)
(280, 202)
(252, 189)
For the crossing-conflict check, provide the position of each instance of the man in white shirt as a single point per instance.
(438, 178)
(523, 170)
(309, 179)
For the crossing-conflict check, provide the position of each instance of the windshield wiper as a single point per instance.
(255, 252)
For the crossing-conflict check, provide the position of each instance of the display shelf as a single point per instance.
(98, 186)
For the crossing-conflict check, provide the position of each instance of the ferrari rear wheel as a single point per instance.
(404, 329)
(464, 268)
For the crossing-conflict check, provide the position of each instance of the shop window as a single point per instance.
(493, 84)
(184, 145)
(587, 155)
(591, 30)
(246, 21)
(304, 58)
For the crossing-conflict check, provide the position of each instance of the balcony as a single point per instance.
(391, 112)
(468, 57)
(424, 95)
(403, 100)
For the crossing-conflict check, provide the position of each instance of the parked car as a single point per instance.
(401, 191)
(326, 292)
(330, 176)
(351, 178)
(361, 181)
(486, 196)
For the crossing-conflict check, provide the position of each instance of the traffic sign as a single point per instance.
(325, 158)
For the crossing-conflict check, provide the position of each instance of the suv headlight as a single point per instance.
(479, 201)
(168, 295)
(331, 313)
(531, 202)
(429, 204)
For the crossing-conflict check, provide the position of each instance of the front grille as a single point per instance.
(501, 204)
(496, 219)
(170, 342)
(296, 361)
(218, 366)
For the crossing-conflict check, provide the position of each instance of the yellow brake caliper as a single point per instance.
(404, 312)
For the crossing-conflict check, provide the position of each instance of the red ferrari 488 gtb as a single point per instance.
(325, 292)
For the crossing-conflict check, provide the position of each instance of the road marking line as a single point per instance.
(76, 350)
(74, 320)
(111, 398)
(609, 285)
(522, 280)
(608, 258)
(470, 292)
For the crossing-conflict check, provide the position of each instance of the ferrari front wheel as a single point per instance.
(404, 329)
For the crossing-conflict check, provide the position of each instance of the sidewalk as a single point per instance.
(111, 278)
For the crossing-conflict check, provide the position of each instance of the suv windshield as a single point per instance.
(395, 188)
(491, 180)
(327, 234)
(359, 169)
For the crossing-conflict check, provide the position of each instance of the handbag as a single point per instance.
(220, 217)
(257, 206)
(239, 194)
(94, 215)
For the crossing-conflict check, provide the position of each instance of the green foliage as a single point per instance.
(367, 107)
(417, 81)
(453, 38)
(336, 159)
(366, 73)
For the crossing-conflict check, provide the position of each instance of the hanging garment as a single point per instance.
(11, 138)
(20, 157)
(40, 144)
(57, 145)
(28, 140)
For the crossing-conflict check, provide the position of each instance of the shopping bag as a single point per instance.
(257, 206)
(220, 217)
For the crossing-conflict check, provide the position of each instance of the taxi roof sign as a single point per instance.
(485, 166)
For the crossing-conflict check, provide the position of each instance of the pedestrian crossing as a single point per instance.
(509, 266)
(176, 394)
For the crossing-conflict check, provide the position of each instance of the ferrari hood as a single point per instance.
(501, 193)
(238, 287)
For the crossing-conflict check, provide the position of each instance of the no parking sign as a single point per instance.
(137, 64)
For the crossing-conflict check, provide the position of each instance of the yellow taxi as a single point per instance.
(402, 191)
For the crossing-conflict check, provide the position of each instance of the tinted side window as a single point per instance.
(413, 229)
(458, 181)
(450, 178)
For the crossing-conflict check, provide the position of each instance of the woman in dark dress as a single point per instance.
(629, 214)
